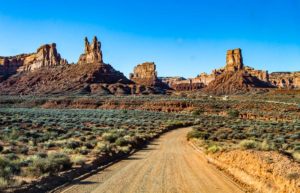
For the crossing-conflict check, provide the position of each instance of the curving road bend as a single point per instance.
(168, 165)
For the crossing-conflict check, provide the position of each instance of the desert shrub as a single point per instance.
(49, 144)
(52, 164)
(3, 183)
(41, 154)
(296, 156)
(82, 138)
(7, 170)
(83, 150)
(23, 150)
(121, 142)
(197, 112)
(248, 144)
(124, 149)
(213, 148)
(110, 137)
(78, 160)
(73, 144)
(267, 145)
(197, 134)
(103, 147)
(90, 145)
(233, 113)
(12, 156)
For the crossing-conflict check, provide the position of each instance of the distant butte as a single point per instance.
(235, 78)
(46, 72)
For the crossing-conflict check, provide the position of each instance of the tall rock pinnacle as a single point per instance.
(234, 60)
(92, 52)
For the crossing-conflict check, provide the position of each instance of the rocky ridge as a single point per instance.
(45, 56)
(89, 76)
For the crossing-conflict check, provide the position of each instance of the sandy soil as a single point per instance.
(168, 165)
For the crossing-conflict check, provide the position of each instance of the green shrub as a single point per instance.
(72, 144)
(52, 164)
(3, 183)
(8, 168)
(197, 112)
(267, 145)
(110, 137)
(78, 160)
(197, 134)
(296, 156)
(121, 142)
(233, 113)
(213, 149)
(248, 144)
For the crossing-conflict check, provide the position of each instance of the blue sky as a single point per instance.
(183, 37)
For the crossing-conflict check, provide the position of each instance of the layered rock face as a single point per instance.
(236, 78)
(45, 56)
(285, 79)
(145, 74)
(182, 84)
(234, 60)
(90, 75)
(92, 52)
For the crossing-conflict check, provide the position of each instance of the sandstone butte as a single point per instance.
(235, 77)
(146, 74)
(46, 72)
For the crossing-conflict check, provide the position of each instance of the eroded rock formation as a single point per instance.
(45, 56)
(234, 60)
(92, 52)
(89, 76)
(285, 79)
(145, 74)
(234, 77)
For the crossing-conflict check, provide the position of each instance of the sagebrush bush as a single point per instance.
(121, 142)
(248, 144)
(78, 160)
(233, 113)
(197, 134)
(267, 145)
(110, 137)
(213, 149)
(296, 156)
(3, 183)
(52, 164)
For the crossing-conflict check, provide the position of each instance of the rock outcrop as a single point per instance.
(236, 78)
(182, 84)
(89, 76)
(238, 82)
(45, 56)
(288, 80)
(92, 52)
(145, 75)
(234, 60)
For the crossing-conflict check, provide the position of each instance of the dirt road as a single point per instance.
(168, 165)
